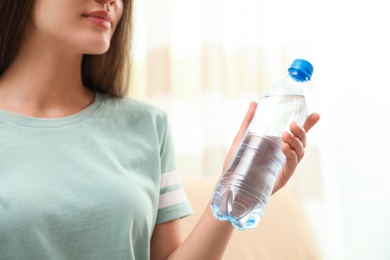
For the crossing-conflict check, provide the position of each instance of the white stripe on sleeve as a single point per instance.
(169, 178)
(171, 198)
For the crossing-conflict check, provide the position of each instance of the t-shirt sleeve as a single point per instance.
(173, 202)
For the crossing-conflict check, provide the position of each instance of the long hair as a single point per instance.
(106, 73)
(14, 17)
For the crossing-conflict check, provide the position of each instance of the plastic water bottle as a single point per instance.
(243, 191)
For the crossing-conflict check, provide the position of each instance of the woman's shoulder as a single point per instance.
(131, 107)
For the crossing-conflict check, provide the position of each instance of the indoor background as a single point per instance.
(203, 62)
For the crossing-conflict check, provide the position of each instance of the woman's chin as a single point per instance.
(97, 50)
(94, 47)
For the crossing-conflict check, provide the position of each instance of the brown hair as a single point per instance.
(107, 73)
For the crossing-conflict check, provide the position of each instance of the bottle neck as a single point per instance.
(296, 82)
(287, 86)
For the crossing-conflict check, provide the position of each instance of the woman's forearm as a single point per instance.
(208, 239)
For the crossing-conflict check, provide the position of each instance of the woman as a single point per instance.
(86, 173)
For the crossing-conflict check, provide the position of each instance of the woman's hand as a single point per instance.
(293, 147)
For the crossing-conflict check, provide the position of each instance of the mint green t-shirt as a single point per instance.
(87, 186)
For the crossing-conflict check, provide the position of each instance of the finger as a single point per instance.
(311, 120)
(295, 144)
(300, 131)
(287, 169)
(291, 159)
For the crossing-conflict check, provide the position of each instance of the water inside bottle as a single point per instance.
(245, 187)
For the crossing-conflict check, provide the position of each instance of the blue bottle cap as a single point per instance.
(301, 70)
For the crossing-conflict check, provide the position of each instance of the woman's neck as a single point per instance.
(44, 82)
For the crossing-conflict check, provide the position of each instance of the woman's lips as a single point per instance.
(101, 18)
